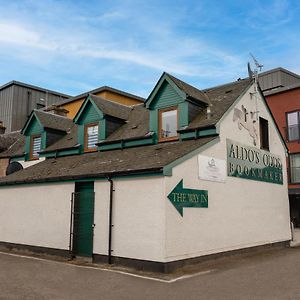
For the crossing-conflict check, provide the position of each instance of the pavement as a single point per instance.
(272, 274)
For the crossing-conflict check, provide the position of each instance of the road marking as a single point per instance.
(111, 270)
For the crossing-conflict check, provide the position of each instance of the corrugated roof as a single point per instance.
(33, 87)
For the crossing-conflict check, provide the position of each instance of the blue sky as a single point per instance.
(76, 46)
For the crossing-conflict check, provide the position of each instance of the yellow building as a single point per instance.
(72, 105)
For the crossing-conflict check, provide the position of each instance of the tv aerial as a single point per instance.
(257, 64)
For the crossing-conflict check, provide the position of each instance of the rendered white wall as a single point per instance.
(36, 215)
(241, 213)
(138, 218)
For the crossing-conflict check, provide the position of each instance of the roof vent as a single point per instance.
(13, 167)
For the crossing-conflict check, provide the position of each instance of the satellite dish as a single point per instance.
(13, 167)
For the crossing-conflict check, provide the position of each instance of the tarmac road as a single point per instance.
(270, 275)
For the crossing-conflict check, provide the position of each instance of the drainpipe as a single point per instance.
(110, 219)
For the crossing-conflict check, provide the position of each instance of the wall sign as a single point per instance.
(210, 168)
(253, 163)
(247, 120)
(181, 197)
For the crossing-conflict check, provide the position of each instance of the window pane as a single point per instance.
(293, 126)
(92, 136)
(169, 124)
(293, 118)
(295, 167)
(36, 146)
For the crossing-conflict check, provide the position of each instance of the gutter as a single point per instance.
(87, 176)
(144, 137)
(61, 149)
(110, 225)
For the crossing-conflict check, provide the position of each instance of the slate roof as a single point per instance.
(14, 144)
(66, 142)
(99, 164)
(6, 140)
(53, 121)
(221, 98)
(136, 124)
(111, 108)
(190, 90)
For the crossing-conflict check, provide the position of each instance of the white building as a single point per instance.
(191, 173)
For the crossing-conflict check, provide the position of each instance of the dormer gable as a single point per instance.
(173, 104)
(97, 118)
(41, 130)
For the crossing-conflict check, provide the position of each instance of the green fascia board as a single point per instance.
(28, 122)
(167, 170)
(103, 178)
(197, 133)
(127, 144)
(83, 106)
(163, 78)
(61, 152)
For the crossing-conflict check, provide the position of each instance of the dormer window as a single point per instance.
(35, 146)
(91, 137)
(168, 124)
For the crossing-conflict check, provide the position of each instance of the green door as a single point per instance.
(83, 219)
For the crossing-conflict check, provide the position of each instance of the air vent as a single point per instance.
(13, 167)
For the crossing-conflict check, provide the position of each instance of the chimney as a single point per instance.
(2, 128)
(56, 110)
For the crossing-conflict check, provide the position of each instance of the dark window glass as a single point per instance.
(264, 134)
(295, 168)
(293, 126)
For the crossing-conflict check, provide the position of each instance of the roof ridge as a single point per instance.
(35, 87)
(225, 84)
(50, 114)
(114, 102)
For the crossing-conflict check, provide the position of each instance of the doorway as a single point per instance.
(82, 222)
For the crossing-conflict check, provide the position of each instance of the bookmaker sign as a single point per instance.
(252, 163)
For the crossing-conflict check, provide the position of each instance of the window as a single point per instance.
(295, 168)
(35, 146)
(168, 124)
(293, 126)
(264, 134)
(90, 137)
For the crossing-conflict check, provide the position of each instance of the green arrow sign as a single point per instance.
(181, 197)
